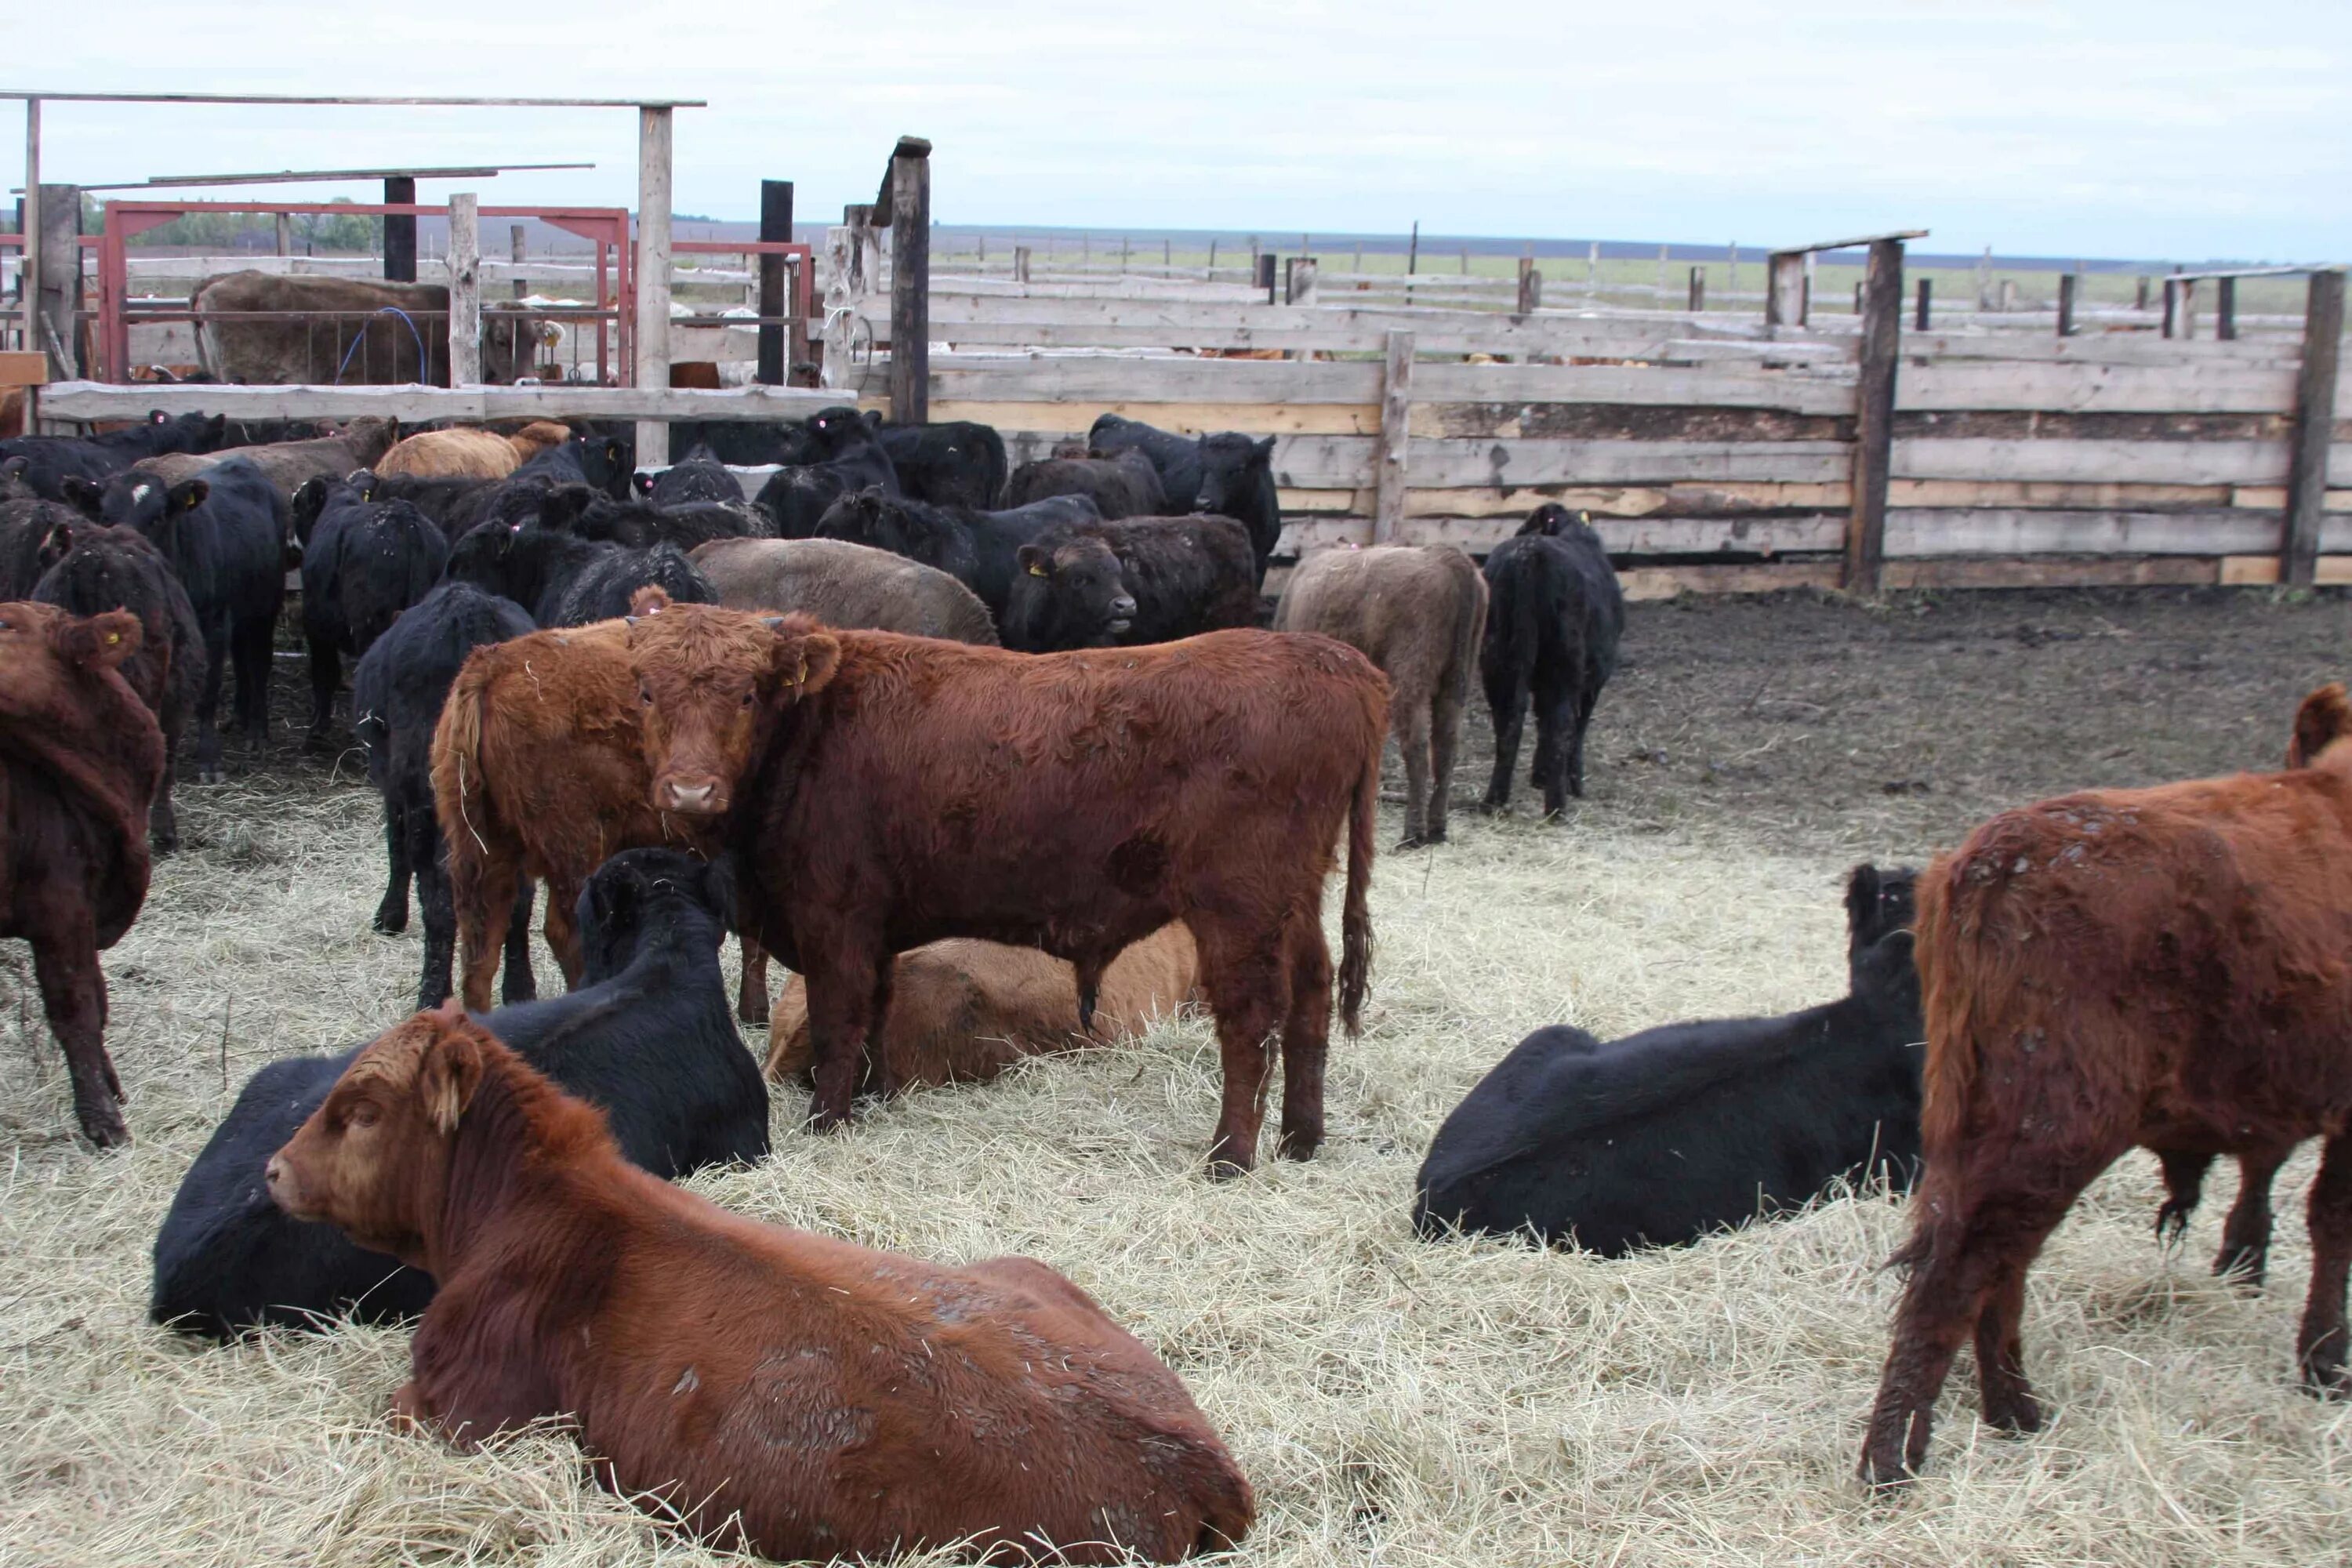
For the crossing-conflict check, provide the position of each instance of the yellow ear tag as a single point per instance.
(1037, 571)
(114, 636)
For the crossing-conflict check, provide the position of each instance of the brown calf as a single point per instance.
(963, 1012)
(80, 758)
(1418, 612)
(899, 790)
(2167, 967)
(767, 1388)
(467, 453)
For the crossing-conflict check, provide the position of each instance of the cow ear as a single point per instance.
(102, 642)
(1266, 449)
(83, 495)
(1860, 896)
(719, 889)
(1034, 559)
(186, 495)
(14, 466)
(2324, 716)
(804, 663)
(157, 416)
(57, 545)
(650, 600)
(447, 1077)
(642, 482)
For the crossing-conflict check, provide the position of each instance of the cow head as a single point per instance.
(140, 501)
(710, 682)
(642, 897)
(836, 429)
(1233, 469)
(2323, 718)
(1877, 901)
(373, 1159)
(14, 485)
(1076, 588)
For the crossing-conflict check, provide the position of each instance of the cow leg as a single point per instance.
(2320, 1347)
(483, 891)
(2184, 1189)
(1584, 705)
(1090, 972)
(751, 996)
(2246, 1237)
(516, 982)
(2004, 1396)
(1244, 976)
(440, 913)
(326, 675)
(562, 931)
(1306, 1038)
(252, 659)
(876, 1073)
(73, 994)
(841, 991)
(208, 740)
(392, 911)
(1507, 700)
(1444, 737)
(162, 822)
(1554, 730)
(1413, 740)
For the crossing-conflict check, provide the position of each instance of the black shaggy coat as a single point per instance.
(566, 580)
(846, 455)
(1184, 575)
(1225, 472)
(1554, 616)
(50, 460)
(958, 463)
(1124, 486)
(976, 548)
(364, 562)
(647, 1036)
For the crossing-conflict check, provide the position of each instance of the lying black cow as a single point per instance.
(396, 700)
(976, 548)
(364, 562)
(93, 569)
(1675, 1133)
(564, 580)
(50, 460)
(647, 1036)
(848, 456)
(1224, 472)
(958, 463)
(698, 476)
(641, 525)
(1554, 616)
(1124, 486)
(225, 536)
(1131, 580)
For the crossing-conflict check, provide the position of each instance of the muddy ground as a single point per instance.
(1812, 723)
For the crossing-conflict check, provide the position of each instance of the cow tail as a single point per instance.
(1355, 915)
(1469, 632)
(458, 799)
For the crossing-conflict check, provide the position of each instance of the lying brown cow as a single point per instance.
(774, 1389)
(538, 771)
(2167, 967)
(899, 790)
(963, 1012)
(80, 758)
(467, 453)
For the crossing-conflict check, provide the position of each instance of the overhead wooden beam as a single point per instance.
(652, 366)
(2315, 425)
(1874, 443)
(911, 281)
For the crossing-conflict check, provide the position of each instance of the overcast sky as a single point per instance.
(2150, 128)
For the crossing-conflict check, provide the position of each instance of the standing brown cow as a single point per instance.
(80, 757)
(899, 790)
(2167, 967)
(1416, 611)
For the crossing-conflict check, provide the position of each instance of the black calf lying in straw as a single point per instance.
(647, 1036)
(1666, 1135)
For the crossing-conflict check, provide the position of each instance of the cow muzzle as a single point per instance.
(692, 796)
(285, 1189)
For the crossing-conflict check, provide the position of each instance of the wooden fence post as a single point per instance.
(399, 232)
(1265, 264)
(1021, 264)
(515, 253)
(1874, 432)
(1927, 303)
(465, 290)
(2065, 304)
(652, 367)
(775, 368)
(56, 279)
(1530, 285)
(2314, 428)
(1784, 289)
(841, 296)
(2225, 308)
(1298, 281)
(2171, 306)
(285, 235)
(1396, 428)
(910, 283)
(1697, 290)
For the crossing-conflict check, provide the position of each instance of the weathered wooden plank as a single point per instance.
(465, 289)
(2255, 570)
(1716, 386)
(1450, 464)
(652, 357)
(1190, 418)
(2121, 462)
(1623, 536)
(1396, 425)
(2052, 571)
(1865, 534)
(88, 400)
(2274, 498)
(2315, 425)
(909, 187)
(1994, 530)
(2064, 497)
(1777, 577)
(2099, 388)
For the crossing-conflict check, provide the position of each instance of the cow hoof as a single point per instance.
(1410, 842)
(522, 989)
(2020, 1416)
(823, 1120)
(751, 1012)
(390, 922)
(103, 1126)
(315, 745)
(1299, 1145)
(1493, 808)
(2323, 1377)
(210, 774)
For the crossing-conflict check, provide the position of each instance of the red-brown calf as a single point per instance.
(897, 790)
(2167, 967)
(767, 1388)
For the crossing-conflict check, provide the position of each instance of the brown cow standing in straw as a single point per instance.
(2167, 967)
(767, 1388)
(897, 790)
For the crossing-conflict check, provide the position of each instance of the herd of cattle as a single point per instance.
(997, 764)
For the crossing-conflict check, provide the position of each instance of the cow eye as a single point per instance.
(749, 697)
(645, 695)
(362, 1114)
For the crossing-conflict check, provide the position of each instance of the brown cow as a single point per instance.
(80, 758)
(272, 331)
(1418, 612)
(289, 464)
(466, 452)
(539, 769)
(2168, 967)
(963, 1012)
(767, 1388)
(900, 790)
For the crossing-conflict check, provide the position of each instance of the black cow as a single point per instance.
(1224, 472)
(698, 476)
(396, 698)
(607, 463)
(1129, 580)
(1553, 618)
(849, 457)
(92, 570)
(14, 485)
(50, 460)
(958, 463)
(226, 535)
(602, 589)
(364, 562)
(30, 542)
(641, 525)
(567, 581)
(454, 503)
(1675, 1133)
(1124, 486)
(976, 548)
(648, 1037)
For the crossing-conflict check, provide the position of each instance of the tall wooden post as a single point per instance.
(465, 291)
(515, 254)
(399, 232)
(1697, 290)
(654, 126)
(2171, 307)
(775, 226)
(28, 260)
(2225, 308)
(1021, 263)
(840, 306)
(1926, 303)
(910, 283)
(1265, 274)
(1873, 433)
(2314, 428)
(285, 234)
(1530, 285)
(59, 279)
(1784, 289)
(2065, 304)
(1396, 428)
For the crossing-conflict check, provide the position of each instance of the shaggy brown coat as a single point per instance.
(1418, 612)
(766, 1387)
(289, 464)
(963, 1011)
(80, 758)
(899, 790)
(2168, 967)
(853, 587)
(467, 453)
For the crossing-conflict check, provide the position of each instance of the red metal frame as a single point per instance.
(804, 287)
(608, 228)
